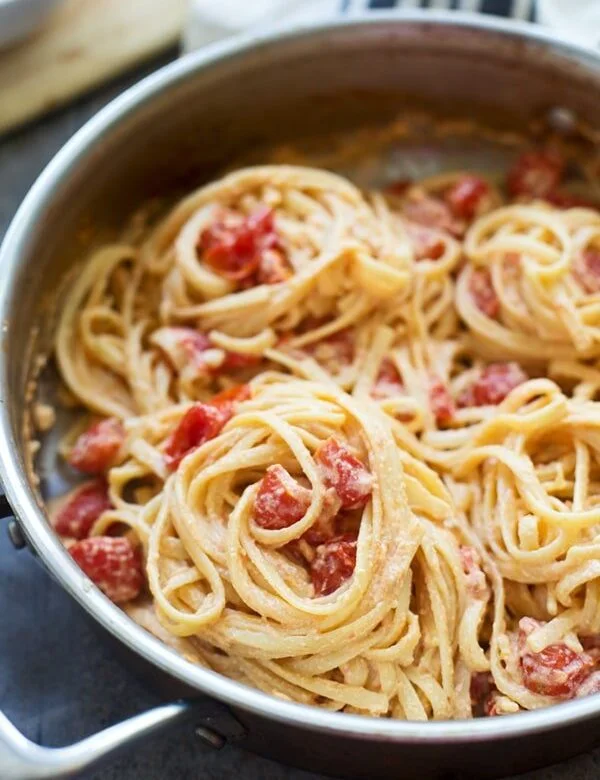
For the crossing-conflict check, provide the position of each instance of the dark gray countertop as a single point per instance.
(58, 682)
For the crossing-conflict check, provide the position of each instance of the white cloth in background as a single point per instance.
(213, 20)
(578, 19)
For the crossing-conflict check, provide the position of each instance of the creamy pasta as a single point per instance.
(343, 444)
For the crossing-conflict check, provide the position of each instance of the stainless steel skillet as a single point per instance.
(170, 132)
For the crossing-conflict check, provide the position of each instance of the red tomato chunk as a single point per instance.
(484, 695)
(493, 385)
(481, 686)
(96, 450)
(81, 511)
(586, 270)
(246, 250)
(398, 187)
(345, 473)
(590, 685)
(198, 425)
(113, 564)
(233, 395)
(203, 422)
(483, 293)
(324, 528)
(333, 563)
(235, 361)
(280, 501)
(468, 196)
(591, 644)
(568, 200)
(536, 174)
(556, 670)
(441, 401)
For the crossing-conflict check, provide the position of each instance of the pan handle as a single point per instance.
(21, 759)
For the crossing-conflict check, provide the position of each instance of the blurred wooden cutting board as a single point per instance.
(84, 43)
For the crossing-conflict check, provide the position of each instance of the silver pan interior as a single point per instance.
(184, 123)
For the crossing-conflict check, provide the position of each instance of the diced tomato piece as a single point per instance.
(556, 670)
(590, 685)
(202, 422)
(398, 187)
(333, 563)
(234, 245)
(97, 450)
(235, 361)
(493, 385)
(273, 268)
(440, 400)
(113, 564)
(481, 685)
(226, 400)
(591, 644)
(427, 242)
(483, 293)
(198, 425)
(431, 212)
(535, 174)
(468, 196)
(586, 270)
(322, 531)
(389, 382)
(297, 552)
(476, 581)
(484, 696)
(280, 501)
(568, 200)
(232, 395)
(83, 508)
(345, 473)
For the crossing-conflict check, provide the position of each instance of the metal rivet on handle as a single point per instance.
(16, 535)
(210, 737)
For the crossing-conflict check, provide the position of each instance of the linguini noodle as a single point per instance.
(533, 260)
(350, 438)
